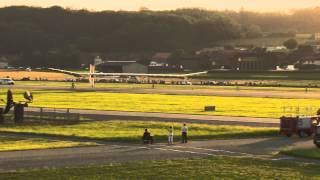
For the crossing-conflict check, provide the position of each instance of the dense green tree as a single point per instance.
(40, 36)
(252, 31)
(290, 43)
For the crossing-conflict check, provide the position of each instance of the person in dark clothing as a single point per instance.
(147, 138)
(73, 85)
(10, 102)
(184, 131)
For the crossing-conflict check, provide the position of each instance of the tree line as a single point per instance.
(56, 36)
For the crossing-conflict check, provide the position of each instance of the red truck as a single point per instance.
(302, 126)
(316, 138)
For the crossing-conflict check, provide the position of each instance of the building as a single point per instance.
(277, 49)
(290, 67)
(160, 59)
(250, 63)
(164, 69)
(309, 63)
(312, 62)
(223, 59)
(196, 63)
(122, 67)
(210, 50)
(135, 68)
(4, 63)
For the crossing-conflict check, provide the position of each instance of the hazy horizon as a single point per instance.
(134, 5)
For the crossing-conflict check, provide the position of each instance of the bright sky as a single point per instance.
(257, 5)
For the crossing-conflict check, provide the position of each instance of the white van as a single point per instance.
(6, 81)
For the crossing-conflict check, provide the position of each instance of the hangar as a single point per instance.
(122, 67)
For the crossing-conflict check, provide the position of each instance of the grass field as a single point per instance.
(199, 168)
(265, 85)
(131, 131)
(265, 75)
(9, 143)
(313, 153)
(184, 104)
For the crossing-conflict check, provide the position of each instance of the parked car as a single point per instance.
(132, 79)
(6, 81)
(185, 83)
(25, 79)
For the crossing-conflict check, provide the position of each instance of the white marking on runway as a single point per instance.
(215, 150)
(212, 150)
(191, 152)
(171, 148)
(282, 158)
(118, 146)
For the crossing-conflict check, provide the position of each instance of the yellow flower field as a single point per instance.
(185, 104)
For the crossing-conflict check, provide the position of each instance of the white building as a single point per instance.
(160, 59)
(312, 62)
(287, 68)
(277, 49)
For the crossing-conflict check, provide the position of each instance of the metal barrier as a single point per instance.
(299, 111)
(50, 114)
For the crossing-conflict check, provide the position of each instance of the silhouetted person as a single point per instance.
(9, 96)
(73, 85)
(147, 138)
(10, 102)
(170, 135)
(184, 132)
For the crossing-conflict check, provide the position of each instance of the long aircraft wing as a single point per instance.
(78, 74)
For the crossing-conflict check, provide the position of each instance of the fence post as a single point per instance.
(298, 111)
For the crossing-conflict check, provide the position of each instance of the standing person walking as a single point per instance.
(73, 85)
(184, 132)
(170, 135)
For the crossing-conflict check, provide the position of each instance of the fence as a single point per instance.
(50, 114)
(301, 111)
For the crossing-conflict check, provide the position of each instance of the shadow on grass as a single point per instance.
(138, 139)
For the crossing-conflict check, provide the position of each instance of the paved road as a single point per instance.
(202, 92)
(145, 116)
(263, 148)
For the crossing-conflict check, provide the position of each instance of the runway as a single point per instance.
(261, 148)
